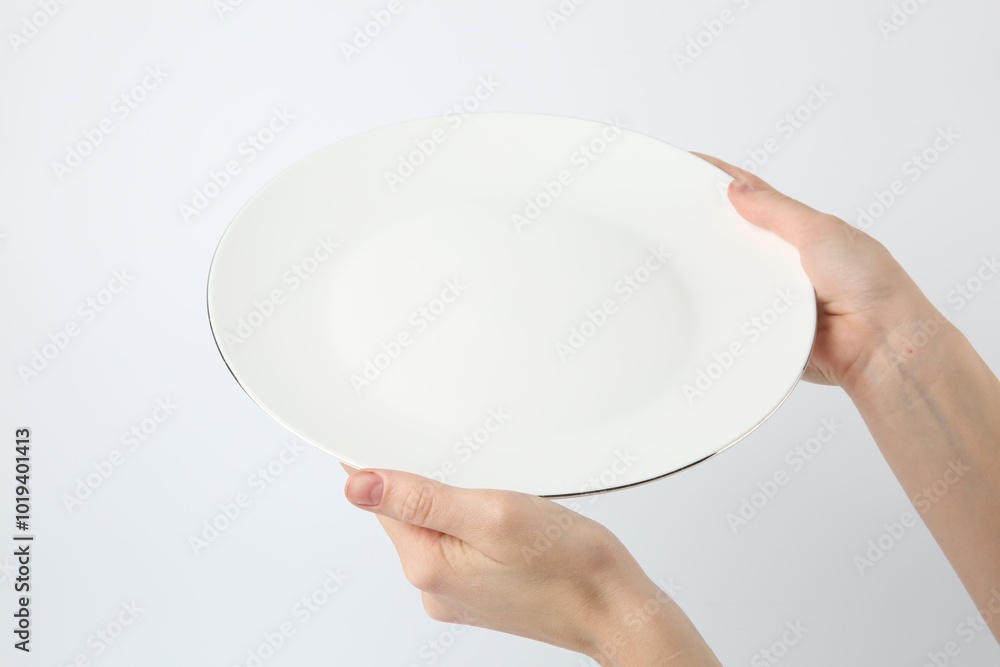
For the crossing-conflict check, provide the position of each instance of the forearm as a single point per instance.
(933, 406)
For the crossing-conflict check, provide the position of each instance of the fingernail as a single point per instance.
(740, 186)
(365, 488)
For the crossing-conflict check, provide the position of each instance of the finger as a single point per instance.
(418, 501)
(741, 174)
(402, 535)
(414, 544)
(427, 557)
(762, 205)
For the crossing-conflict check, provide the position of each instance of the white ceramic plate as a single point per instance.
(514, 301)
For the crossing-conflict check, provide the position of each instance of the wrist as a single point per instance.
(909, 341)
(647, 628)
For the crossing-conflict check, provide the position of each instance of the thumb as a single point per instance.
(412, 499)
(762, 205)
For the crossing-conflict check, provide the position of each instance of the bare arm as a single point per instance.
(931, 403)
(933, 407)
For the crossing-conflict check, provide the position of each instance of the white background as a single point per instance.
(62, 239)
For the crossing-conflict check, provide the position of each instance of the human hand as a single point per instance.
(935, 416)
(527, 566)
(862, 292)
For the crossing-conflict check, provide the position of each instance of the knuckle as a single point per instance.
(417, 505)
(609, 547)
(507, 512)
(504, 518)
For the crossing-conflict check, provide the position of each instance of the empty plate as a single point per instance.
(513, 301)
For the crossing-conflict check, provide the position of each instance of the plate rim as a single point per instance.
(555, 496)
